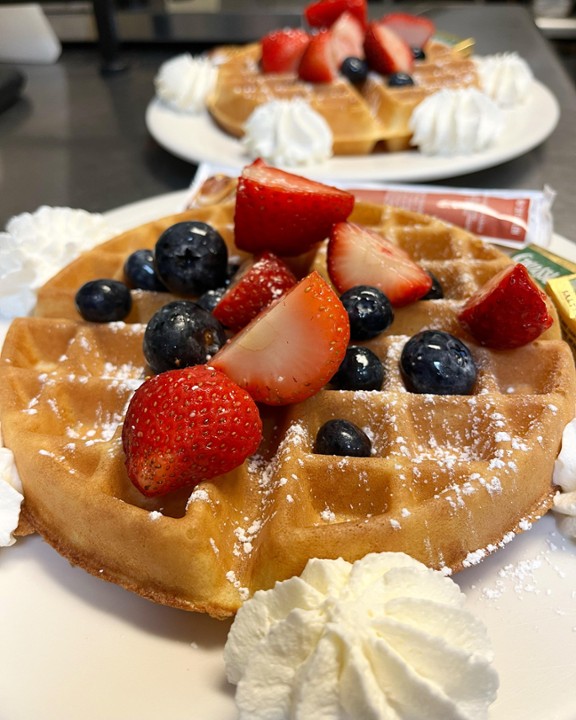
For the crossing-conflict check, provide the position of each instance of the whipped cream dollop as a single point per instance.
(37, 245)
(184, 82)
(565, 478)
(10, 497)
(505, 77)
(384, 637)
(289, 133)
(455, 122)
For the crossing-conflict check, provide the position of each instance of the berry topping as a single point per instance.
(284, 213)
(369, 310)
(191, 257)
(418, 53)
(361, 369)
(140, 273)
(264, 279)
(324, 13)
(318, 63)
(436, 292)
(433, 361)
(292, 348)
(347, 38)
(211, 298)
(400, 79)
(415, 30)
(181, 334)
(359, 255)
(185, 426)
(283, 49)
(386, 52)
(354, 69)
(341, 437)
(509, 311)
(103, 300)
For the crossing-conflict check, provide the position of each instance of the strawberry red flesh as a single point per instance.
(293, 348)
(264, 279)
(282, 50)
(509, 311)
(387, 52)
(185, 426)
(416, 30)
(360, 256)
(325, 13)
(347, 38)
(284, 213)
(318, 62)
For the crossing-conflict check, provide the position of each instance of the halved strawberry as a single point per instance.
(188, 425)
(285, 213)
(283, 49)
(318, 64)
(259, 282)
(416, 30)
(387, 52)
(509, 311)
(347, 38)
(323, 14)
(360, 256)
(293, 348)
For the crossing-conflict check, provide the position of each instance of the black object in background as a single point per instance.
(12, 82)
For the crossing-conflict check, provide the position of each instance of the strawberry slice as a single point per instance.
(285, 213)
(416, 30)
(509, 311)
(188, 425)
(282, 50)
(387, 52)
(293, 348)
(263, 279)
(323, 14)
(347, 38)
(318, 63)
(360, 256)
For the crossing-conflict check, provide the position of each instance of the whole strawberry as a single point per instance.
(185, 426)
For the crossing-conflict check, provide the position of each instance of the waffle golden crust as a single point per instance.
(452, 478)
(371, 116)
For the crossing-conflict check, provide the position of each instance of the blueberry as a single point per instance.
(400, 79)
(191, 257)
(418, 53)
(341, 437)
(369, 311)
(361, 369)
(181, 334)
(211, 298)
(140, 273)
(436, 292)
(354, 69)
(103, 300)
(433, 361)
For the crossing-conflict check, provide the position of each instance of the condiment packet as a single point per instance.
(543, 265)
(512, 218)
(562, 290)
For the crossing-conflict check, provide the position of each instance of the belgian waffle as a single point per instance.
(451, 478)
(241, 87)
(362, 119)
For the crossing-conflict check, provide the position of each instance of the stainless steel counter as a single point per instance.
(78, 138)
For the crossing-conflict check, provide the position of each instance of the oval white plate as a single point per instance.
(73, 647)
(197, 138)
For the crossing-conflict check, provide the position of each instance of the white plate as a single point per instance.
(72, 646)
(196, 138)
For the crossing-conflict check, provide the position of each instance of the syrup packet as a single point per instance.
(512, 218)
(543, 265)
(562, 290)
